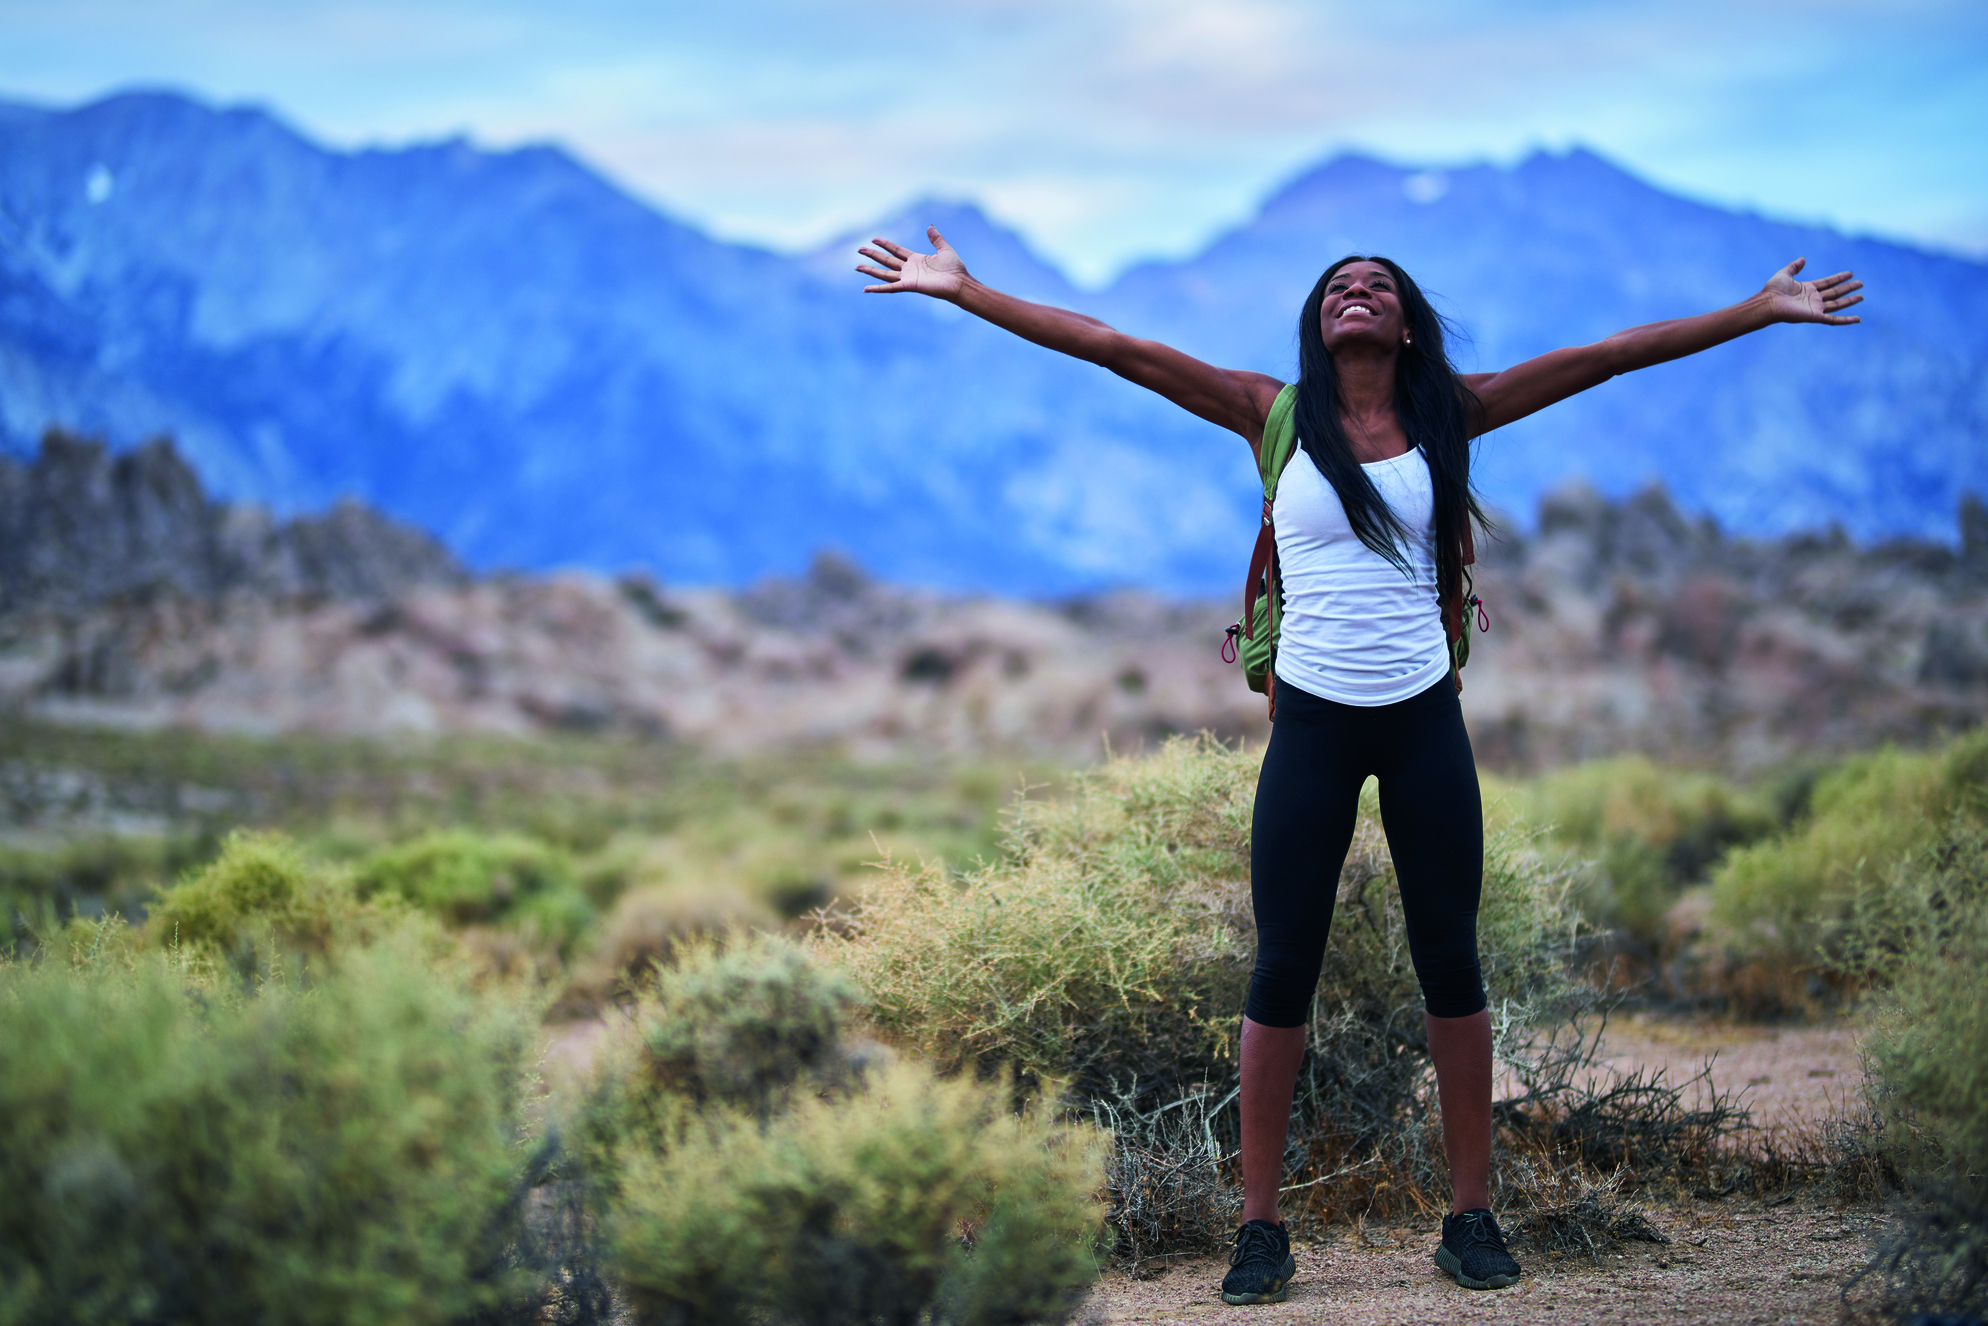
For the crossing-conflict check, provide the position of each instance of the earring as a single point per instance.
(1406, 339)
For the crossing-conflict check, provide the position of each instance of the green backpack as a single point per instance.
(1252, 642)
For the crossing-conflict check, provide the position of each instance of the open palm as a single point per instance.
(1812, 301)
(900, 271)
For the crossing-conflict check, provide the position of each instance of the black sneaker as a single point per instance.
(1261, 1267)
(1473, 1251)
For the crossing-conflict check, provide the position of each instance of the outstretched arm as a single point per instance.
(1237, 400)
(1558, 374)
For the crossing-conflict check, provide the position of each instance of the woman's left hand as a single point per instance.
(1811, 301)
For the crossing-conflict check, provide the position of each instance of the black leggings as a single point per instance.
(1307, 799)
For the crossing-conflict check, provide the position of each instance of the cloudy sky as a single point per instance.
(1106, 130)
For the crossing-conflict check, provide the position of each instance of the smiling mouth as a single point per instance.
(1367, 309)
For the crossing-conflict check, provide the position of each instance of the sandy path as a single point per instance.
(1731, 1262)
(1791, 1078)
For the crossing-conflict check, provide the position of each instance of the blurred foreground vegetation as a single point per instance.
(274, 1011)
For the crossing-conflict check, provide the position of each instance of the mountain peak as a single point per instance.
(1346, 173)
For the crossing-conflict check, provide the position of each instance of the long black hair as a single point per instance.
(1435, 409)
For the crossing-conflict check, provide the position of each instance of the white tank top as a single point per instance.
(1356, 628)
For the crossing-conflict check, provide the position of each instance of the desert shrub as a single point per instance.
(741, 1025)
(469, 878)
(1870, 819)
(1646, 832)
(342, 1149)
(1577, 1212)
(260, 899)
(93, 942)
(1925, 1057)
(1112, 948)
(734, 1022)
(1927, 1048)
(646, 927)
(751, 1165)
(1105, 946)
(107, 874)
(1172, 1186)
(912, 1199)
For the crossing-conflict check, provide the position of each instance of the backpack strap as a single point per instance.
(1280, 438)
(1273, 453)
(1462, 597)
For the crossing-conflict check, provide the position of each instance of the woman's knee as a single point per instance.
(1281, 986)
(1455, 992)
(1447, 968)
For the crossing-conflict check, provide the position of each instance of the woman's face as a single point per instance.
(1362, 306)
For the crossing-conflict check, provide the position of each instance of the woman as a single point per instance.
(1369, 526)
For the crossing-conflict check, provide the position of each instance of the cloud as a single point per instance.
(1106, 129)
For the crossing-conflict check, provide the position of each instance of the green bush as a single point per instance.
(1870, 819)
(107, 874)
(467, 878)
(259, 900)
(1925, 939)
(914, 1199)
(750, 1165)
(1648, 833)
(1927, 1050)
(742, 1025)
(346, 1149)
(1108, 942)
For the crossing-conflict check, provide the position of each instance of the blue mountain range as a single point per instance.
(508, 351)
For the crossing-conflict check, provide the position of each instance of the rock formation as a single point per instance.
(131, 599)
(81, 528)
(1628, 627)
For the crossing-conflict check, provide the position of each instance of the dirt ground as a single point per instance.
(1791, 1078)
(1735, 1261)
(1739, 1260)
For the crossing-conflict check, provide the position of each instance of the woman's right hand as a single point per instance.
(940, 274)
(1235, 400)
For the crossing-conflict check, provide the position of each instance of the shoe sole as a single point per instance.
(1277, 1295)
(1451, 1265)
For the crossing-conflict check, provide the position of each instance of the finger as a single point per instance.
(1793, 267)
(1839, 322)
(1831, 305)
(1824, 282)
(877, 272)
(883, 258)
(893, 289)
(938, 240)
(896, 250)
